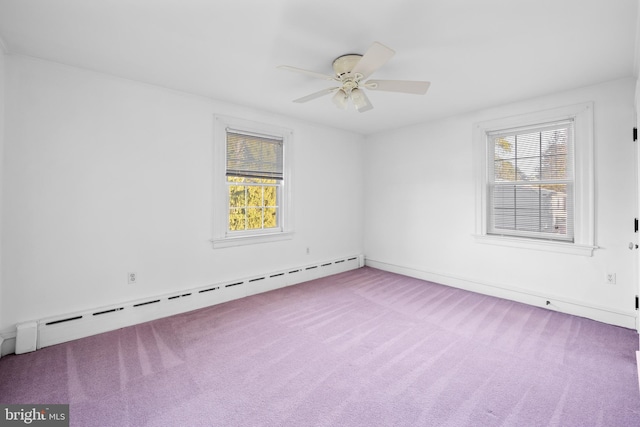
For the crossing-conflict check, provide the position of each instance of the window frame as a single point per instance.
(584, 183)
(222, 236)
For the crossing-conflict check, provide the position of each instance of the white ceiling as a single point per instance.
(476, 54)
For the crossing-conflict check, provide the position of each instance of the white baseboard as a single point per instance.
(71, 326)
(626, 319)
(7, 341)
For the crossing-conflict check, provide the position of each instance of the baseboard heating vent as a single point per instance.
(147, 303)
(233, 284)
(69, 319)
(70, 326)
(113, 310)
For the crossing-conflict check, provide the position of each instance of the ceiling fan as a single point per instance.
(351, 71)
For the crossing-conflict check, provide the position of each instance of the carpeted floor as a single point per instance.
(362, 348)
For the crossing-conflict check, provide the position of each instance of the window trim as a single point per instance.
(220, 212)
(584, 184)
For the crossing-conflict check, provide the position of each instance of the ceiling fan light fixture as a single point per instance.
(341, 99)
(360, 100)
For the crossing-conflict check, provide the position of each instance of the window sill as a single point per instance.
(251, 240)
(540, 245)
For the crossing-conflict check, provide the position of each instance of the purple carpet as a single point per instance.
(361, 348)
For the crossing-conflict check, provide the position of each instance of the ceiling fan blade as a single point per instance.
(404, 86)
(375, 57)
(315, 95)
(307, 72)
(360, 100)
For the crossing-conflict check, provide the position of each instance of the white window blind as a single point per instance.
(254, 156)
(531, 182)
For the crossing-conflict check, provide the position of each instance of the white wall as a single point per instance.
(420, 211)
(103, 176)
(2, 102)
(636, 241)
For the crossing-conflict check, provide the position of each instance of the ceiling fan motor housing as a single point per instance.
(343, 65)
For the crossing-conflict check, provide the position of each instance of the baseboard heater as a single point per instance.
(59, 329)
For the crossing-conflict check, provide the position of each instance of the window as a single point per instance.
(530, 182)
(251, 184)
(254, 178)
(535, 180)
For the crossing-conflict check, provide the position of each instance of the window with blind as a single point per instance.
(254, 174)
(530, 181)
(252, 182)
(535, 181)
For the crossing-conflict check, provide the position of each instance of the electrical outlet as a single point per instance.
(133, 278)
(308, 251)
(610, 278)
